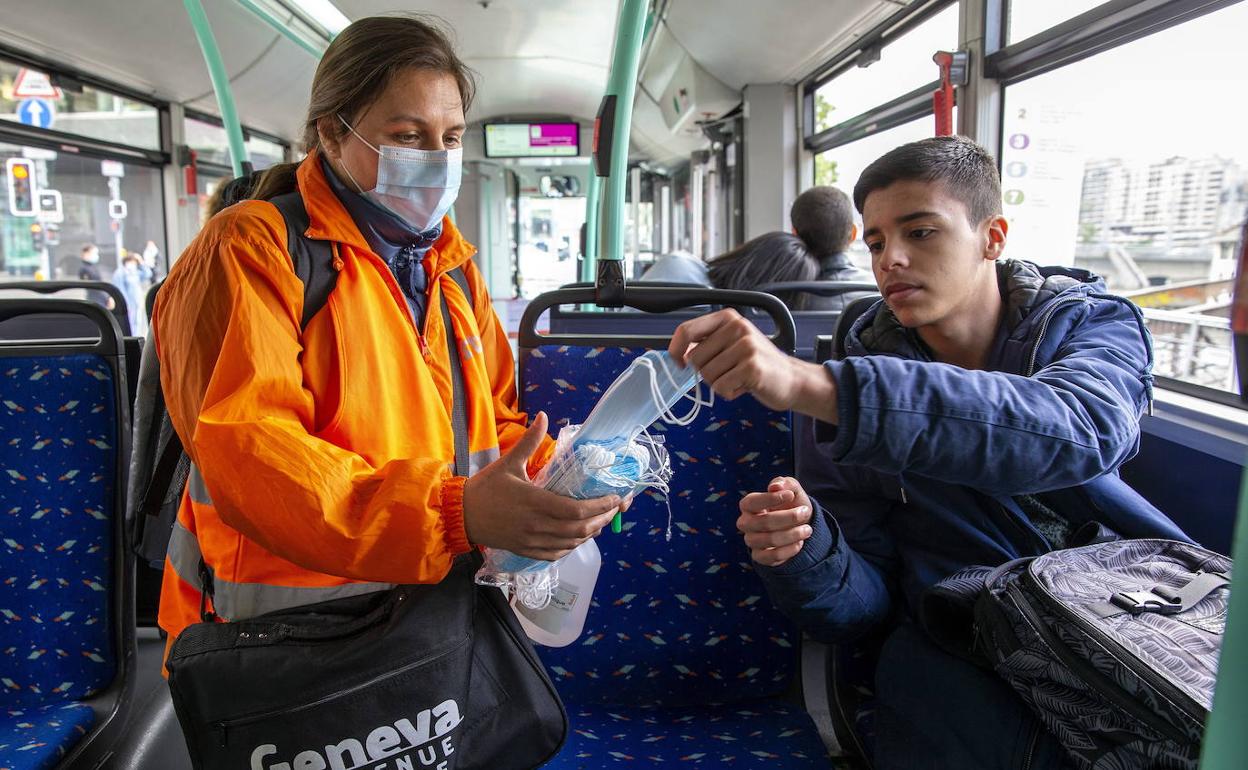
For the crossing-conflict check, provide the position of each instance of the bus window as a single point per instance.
(206, 136)
(1028, 17)
(905, 64)
(1144, 182)
(841, 166)
(28, 97)
(91, 192)
(552, 210)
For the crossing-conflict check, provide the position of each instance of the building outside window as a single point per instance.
(1132, 164)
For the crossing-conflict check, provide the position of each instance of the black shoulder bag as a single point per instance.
(417, 676)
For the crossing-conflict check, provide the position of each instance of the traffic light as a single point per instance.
(37, 237)
(21, 177)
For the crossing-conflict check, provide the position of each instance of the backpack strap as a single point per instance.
(459, 399)
(313, 260)
(1163, 599)
(313, 263)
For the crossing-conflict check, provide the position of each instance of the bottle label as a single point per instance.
(551, 617)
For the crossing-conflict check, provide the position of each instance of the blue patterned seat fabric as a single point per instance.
(855, 689)
(39, 737)
(763, 735)
(684, 625)
(57, 476)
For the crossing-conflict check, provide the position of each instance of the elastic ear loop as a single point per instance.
(534, 589)
(658, 476)
(665, 412)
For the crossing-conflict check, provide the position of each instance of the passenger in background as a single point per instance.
(769, 258)
(231, 191)
(132, 278)
(981, 415)
(677, 267)
(823, 218)
(89, 270)
(823, 226)
(152, 261)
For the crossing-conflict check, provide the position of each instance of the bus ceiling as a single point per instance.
(558, 67)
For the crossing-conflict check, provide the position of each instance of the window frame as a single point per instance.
(70, 142)
(190, 113)
(1103, 28)
(901, 109)
(87, 147)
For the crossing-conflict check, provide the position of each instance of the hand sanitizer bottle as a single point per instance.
(560, 622)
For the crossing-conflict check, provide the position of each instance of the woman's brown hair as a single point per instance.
(357, 67)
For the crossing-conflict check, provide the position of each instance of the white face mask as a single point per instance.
(418, 186)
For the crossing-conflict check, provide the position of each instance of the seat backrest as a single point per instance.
(66, 603)
(809, 323)
(684, 621)
(49, 326)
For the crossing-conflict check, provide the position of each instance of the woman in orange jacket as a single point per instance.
(322, 456)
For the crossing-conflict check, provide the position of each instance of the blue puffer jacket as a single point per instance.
(920, 478)
(923, 477)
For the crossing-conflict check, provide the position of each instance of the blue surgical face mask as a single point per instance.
(645, 392)
(418, 186)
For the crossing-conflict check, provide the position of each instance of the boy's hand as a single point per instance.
(735, 358)
(776, 523)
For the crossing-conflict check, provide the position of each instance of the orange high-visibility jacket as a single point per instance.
(322, 460)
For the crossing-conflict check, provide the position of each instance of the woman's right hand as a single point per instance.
(504, 509)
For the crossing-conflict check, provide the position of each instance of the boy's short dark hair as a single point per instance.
(967, 171)
(822, 217)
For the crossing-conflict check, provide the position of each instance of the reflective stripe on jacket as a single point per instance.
(323, 457)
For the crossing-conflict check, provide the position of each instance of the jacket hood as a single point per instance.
(1025, 288)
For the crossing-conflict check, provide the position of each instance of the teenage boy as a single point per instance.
(981, 415)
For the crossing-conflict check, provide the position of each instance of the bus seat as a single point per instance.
(63, 326)
(682, 655)
(58, 325)
(851, 680)
(66, 605)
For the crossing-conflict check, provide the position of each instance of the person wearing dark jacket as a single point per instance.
(823, 218)
(981, 415)
(89, 270)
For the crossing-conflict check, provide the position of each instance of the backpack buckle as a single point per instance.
(1136, 602)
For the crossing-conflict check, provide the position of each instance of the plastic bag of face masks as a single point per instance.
(610, 453)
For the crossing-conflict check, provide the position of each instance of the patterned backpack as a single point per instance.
(1114, 646)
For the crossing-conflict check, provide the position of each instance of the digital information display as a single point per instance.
(532, 140)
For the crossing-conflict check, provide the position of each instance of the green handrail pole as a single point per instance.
(1226, 740)
(589, 261)
(282, 26)
(220, 83)
(622, 83)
